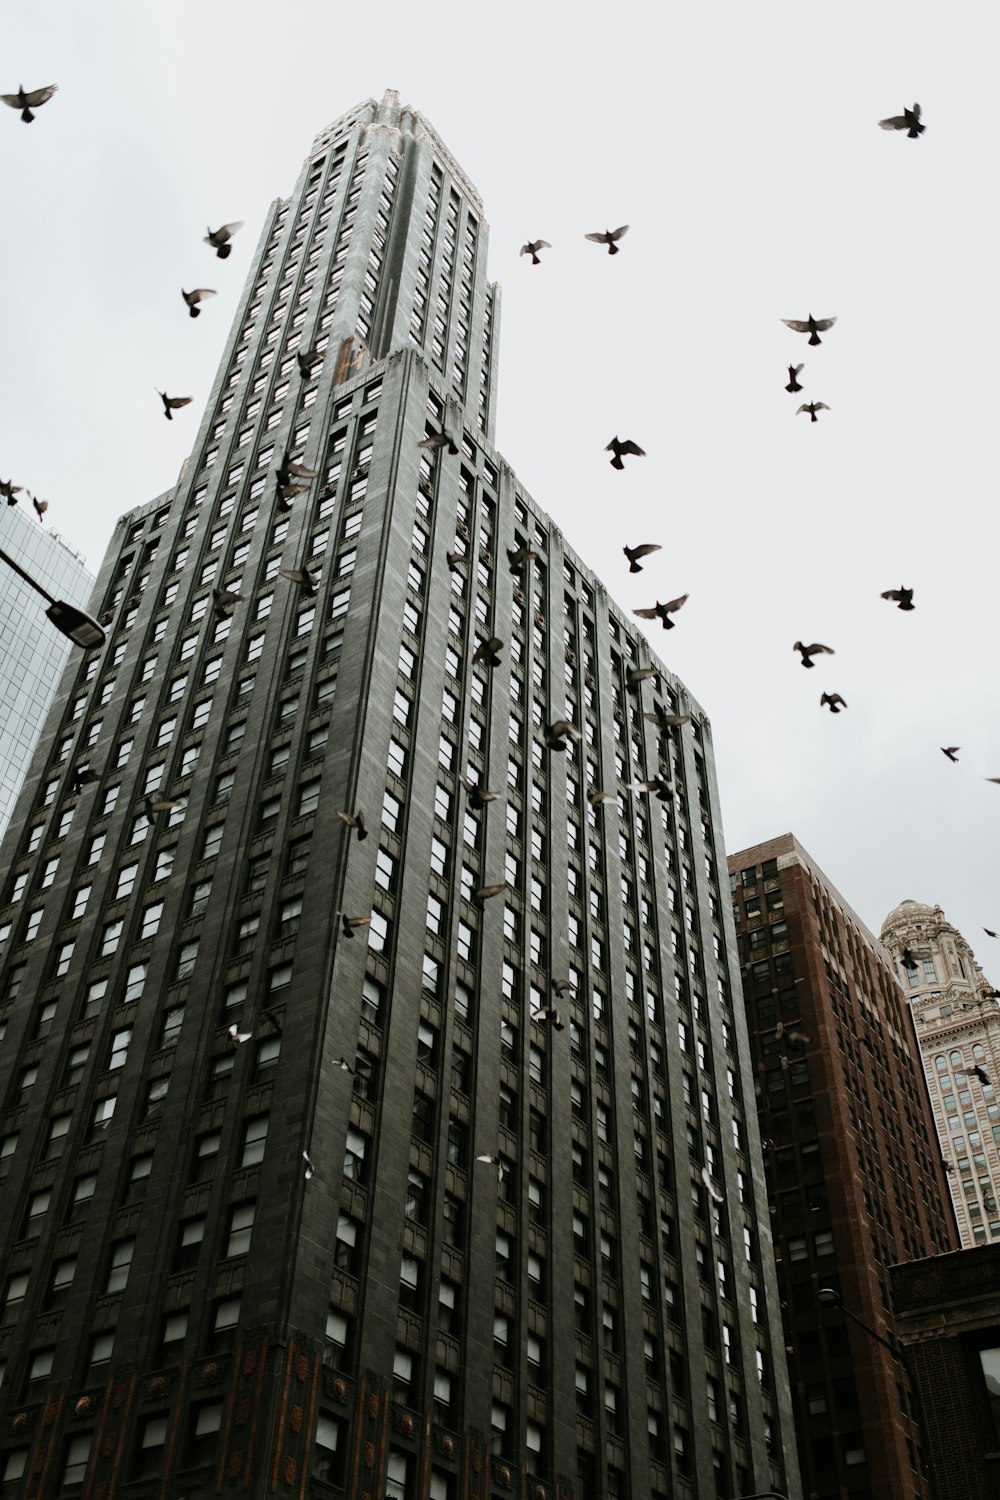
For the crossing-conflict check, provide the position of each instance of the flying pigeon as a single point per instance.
(223, 599)
(171, 403)
(306, 358)
(608, 237)
(532, 248)
(618, 448)
(982, 1075)
(236, 1036)
(951, 751)
(794, 371)
(812, 407)
(662, 612)
(833, 701)
(357, 822)
(478, 799)
(643, 550)
(27, 100)
(308, 581)
(635, 675)
(219, 238)
(813, 326)
(808, 652)
(10, 491)
(193, 298)
(903, 597)
(557, 736)
(438, 440)
(350, 923)
(909, 121)
(82, 776)
(519, 557)
(487, 652)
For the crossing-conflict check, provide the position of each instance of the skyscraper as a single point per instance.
(32, 650)
(957, 1022)
(852, 1166)
(374, 1097)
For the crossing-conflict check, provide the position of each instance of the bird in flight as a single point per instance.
(193, 298)
(833, 701)
(813, 326)
(308, 581)
(597, 797)
(662, 612)
(532, 248)
(808, 652)
(713, 1191)
(557, 736)
(310, 1169)
(289, 471)
(812, 407)
(343, 1065)
(478, 799)
(10, 491)
(171, 403)
(635, 675)
(903, 597)
(618, 448)
(989, 932)
(664, 721)
(153, 805)
(236, 1036)
(350, 923)
(982, 1074)
(609, 237)
(306, 359)
(909, 121)
(28, 99)
(635, 553)
(455, 561)
(484, 892)
(81, 777)
(659, 786)
(356, 821)
(438, 440)
(547, 1015)
(219, 238)
(520, 557)
(223, 599)
(951, 751)
(794, 371)
(41, 506)
(488, 652)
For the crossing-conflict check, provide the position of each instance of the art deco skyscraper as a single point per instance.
(330, 1172)
(852, 1165)
(957, 1022)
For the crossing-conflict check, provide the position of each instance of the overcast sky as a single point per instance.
(740, 142)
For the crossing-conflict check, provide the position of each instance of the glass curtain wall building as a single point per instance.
(32, 651)
(376, 1114)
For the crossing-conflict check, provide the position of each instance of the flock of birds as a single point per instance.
(293, 478)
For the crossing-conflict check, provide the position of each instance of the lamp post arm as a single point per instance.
(27, 577)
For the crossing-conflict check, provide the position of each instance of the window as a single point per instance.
(240, 1228)
(151, 918)
(254, 1140)
(212, 841)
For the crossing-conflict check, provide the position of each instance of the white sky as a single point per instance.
(740, 143)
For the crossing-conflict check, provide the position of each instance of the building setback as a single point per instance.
(853, 1171)
(957, 1022)
(374, 1102)
(32, 651)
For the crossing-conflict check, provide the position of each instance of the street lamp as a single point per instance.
(828, 1296)
(81, 628)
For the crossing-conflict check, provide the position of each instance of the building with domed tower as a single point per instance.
(956, 1019)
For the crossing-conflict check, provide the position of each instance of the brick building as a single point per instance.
(854, 1178)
